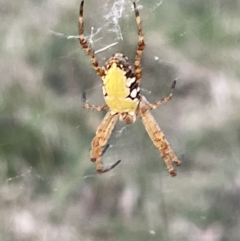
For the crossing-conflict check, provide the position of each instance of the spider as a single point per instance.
(120, 86)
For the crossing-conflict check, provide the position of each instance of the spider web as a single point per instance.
(48, 186)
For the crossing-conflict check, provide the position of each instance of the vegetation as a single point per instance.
(48, 187)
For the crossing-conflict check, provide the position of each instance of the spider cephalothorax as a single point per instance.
(121, 91)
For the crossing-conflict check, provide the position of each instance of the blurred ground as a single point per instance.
(48, 187)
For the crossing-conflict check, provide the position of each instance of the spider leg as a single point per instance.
(159, 140)
(163, 100)
(105, 148)
(100, 141)
(84, 44)
(140, 48)
(90, 106)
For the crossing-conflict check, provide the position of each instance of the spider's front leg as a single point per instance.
(159, 139)
(100, 140)
(155, 132)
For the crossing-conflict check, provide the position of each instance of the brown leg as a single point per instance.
(100, 140)
(84, 44)
(159, 140)
(140, 48)
(163, 100)
(93, 107)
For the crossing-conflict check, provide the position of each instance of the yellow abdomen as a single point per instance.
(116, 90)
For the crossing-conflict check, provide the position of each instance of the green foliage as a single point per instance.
(47, 182)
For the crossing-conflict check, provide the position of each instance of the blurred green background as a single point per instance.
(49, 189)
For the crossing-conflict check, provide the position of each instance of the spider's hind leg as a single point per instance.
(140, 47)
(158, 139)
(83, 42)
